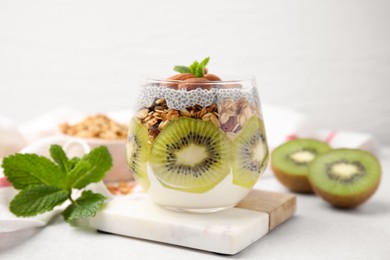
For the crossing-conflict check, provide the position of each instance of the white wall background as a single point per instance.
(329, 59)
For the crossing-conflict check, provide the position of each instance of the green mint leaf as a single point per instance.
(199, 73)
(85, 206)
(37, 199)
(194, 66)
(23, 170)
(73, 162)
(99, 160)
(78, 172)
(59, 156)
(182, 69)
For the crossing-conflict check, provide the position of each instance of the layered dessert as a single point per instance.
(197, 142)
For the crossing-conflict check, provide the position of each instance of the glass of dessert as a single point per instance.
(197, 142)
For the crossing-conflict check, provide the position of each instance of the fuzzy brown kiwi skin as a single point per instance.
(346, 202)
(296, 183)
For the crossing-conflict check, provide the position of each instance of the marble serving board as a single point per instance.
(225, 232)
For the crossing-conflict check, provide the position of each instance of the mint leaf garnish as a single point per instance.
(199, 73)
(99, 160)
(59, 156)
(23, 170)
(37, 199)
(182, 69)
(45, 184)
(85, 206)
(195, 68)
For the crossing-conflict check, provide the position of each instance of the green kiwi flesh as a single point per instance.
(290, 162)
(345, 177)
(137, 152)
(190, 155)
(250, 153)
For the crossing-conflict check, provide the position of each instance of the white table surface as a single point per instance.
(317, 231)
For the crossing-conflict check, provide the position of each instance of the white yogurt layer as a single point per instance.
(224, 194)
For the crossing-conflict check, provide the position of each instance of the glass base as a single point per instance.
(198, 210)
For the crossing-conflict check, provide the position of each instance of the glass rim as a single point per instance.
(233, 79)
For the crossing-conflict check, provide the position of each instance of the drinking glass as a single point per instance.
(197, 145)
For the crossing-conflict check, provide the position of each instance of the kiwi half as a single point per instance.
(290, 162)
(190, 155)
(250, 153)
(137, 152)
(345, 177)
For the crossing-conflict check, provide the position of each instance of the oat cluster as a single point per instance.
(96, 126)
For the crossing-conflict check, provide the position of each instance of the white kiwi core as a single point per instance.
(302, 156)
(258, 152)
(191, 155)
(344, 170)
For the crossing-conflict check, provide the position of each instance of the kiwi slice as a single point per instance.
(190, 155)
(250, 153)
(345, 177)
(290, 162)
(137, 152)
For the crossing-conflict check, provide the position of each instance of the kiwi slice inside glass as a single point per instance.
(290, 162)
(345, 177)
(190, 155)
(250, 153)
(137, 152)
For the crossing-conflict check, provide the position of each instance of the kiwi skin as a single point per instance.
(344, 201)
(296, 183)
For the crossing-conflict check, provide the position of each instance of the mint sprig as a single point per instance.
(45, 184)
(195, 68)
(85, 206)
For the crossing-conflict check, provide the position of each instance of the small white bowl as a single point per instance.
(117, 148)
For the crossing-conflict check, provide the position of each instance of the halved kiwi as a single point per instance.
(137, 152)
(190, 155)
(345, 178)
(290, 162)
(250, 153)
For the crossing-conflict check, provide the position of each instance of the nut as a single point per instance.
(247, 112)
(214, 120)
(230, 85)
(178, 77)
(194, 83)
(184, 112)
(182, 76)
(224, 118)
(172, 114)
(229, 125)
(212, 77)
(142, 113)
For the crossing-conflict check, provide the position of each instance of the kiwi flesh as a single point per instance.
(250, 153)
(190, 155)
(137, 152)
(290, 162)
(345, 178)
